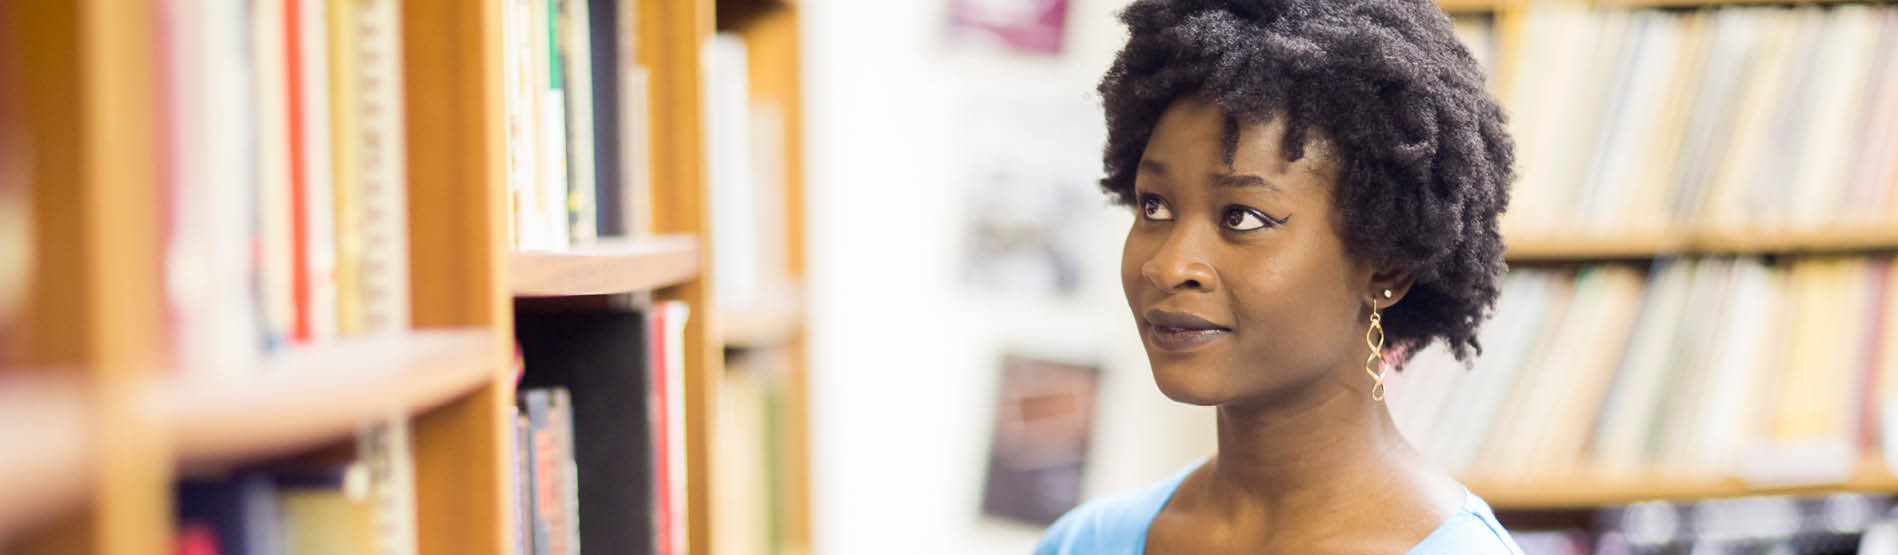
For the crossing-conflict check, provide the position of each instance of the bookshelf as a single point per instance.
(1552, 484)
(609, 266)
(1582, 489)
(1581, 247)
(86, 358)
(771, 32)
(311, 396)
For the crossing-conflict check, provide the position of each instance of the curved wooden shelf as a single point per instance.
(49, 471)
(1637, 246)
(760, 326)
(308, 396)
(1469, 6)
(608, 266)
(1583, 490)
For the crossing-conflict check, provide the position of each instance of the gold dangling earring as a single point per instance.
(1374, 337)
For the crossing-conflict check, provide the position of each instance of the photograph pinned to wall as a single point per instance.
(1044, 415)
(1022, 26)
(1030, 193)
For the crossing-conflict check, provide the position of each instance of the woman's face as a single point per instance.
(1236, 272)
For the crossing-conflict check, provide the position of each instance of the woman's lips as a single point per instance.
(1182, 339)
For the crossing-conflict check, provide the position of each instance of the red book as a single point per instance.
(665, 543)
(299, 178)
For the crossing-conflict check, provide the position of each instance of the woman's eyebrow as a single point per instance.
(1152, 167)
(1226, 180)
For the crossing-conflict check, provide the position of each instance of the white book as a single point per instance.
(208, 264)
(384, 167)
(1821, 163)
(1636, 113)
(319, 193)
(273, 211)
(734, 188)
(1633, 403)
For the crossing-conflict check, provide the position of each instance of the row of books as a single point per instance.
(752, 474)
(1720, 120)
(1774, 372)
(577, 134)
(363, 507)
(600, 455)
(283, 175)
(1835, 524)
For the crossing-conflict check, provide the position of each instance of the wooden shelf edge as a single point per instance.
(53, 471)
(1469, 6)
(1584, 489)
(760, 326)
(305, 397)
(1548, 247)
(606, 267)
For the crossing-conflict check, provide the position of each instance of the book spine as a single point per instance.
(523, 483)
(603, 21)
(382, 162)
(549, 533)
(272, 215)
(659, 417)
(294, 75)
(577, 57)
(346, 176)
(550, 96)
(319, 200)
(384, 450)
(561, 415)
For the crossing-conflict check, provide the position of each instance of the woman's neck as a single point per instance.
(1328, 444)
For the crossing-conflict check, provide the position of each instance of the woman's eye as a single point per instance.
(1246, 219)
(1154, 209)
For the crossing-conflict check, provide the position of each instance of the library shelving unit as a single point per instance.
(83, 376)
(772, 35)
(1580, 487)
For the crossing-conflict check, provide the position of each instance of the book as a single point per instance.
(553, 523)
(576, 59)
(327, 511)
(382, 166)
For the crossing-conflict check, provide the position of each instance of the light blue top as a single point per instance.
(1117, 524)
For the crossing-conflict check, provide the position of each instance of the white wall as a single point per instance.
(904, 355)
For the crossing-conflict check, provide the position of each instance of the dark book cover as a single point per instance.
(603, 22)
(600, 358)
(240, 511)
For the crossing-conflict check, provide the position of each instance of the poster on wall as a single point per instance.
(1044, 415)
(1023, 26)
(1029, 194)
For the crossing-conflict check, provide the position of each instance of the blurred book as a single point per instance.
(1631, 122)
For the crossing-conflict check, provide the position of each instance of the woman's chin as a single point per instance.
(1193, 386)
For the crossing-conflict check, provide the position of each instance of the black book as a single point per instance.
(600, 358)
(603, 26)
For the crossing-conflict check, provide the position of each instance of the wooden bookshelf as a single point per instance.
(53, 415)
(310, 396)
(1638, 246)
(771, 325)
(609, 266)
(1583, 489)
(1470, 6)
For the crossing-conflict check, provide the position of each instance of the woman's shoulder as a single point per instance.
(1472, 530)
(1113, 524)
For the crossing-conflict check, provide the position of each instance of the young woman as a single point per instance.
(1315, 183)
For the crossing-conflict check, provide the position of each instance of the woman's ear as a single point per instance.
(1397, 282)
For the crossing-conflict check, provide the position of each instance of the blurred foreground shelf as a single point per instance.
(1638, 246)
(308, 396)
(50, 463)
(1582, 490)
(605, 267)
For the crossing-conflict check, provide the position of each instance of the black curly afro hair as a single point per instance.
(1424, 163)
